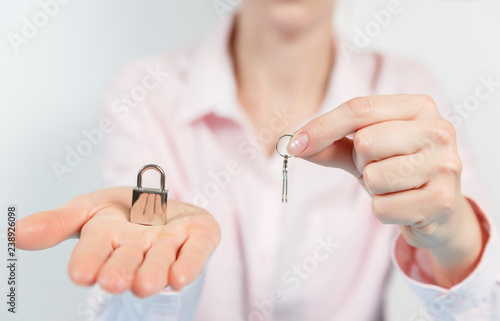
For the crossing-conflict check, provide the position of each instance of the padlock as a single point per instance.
(149, 205)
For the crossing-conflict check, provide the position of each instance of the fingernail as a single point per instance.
(298, 144)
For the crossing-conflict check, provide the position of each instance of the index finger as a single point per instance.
(355, 114)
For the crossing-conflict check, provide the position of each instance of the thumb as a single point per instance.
(338, 154)
(49, 228)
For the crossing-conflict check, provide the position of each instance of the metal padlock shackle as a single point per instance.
(151, 166)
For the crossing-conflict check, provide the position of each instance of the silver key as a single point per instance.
(284, 189)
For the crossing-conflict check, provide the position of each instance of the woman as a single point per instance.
(211, 117)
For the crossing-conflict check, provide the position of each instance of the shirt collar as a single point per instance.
(207, 87)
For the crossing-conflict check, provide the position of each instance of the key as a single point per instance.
(284, 189)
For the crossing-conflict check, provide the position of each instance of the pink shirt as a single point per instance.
(322, 256)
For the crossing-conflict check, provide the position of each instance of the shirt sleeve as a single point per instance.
(165, 306)
(477, 297)
(135, 112)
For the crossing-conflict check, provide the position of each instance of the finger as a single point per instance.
(339, 154)
(190, 261)
(356, 114)
(87, 258)
(49, 228)
(118, 273)
(397, 174)
(388, 139)
(416, 207)
(152, 275)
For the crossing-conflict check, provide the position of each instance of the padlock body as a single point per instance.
(149, 206)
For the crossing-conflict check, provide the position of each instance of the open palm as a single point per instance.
(120, 255)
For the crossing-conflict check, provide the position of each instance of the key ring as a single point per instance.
(277, 143)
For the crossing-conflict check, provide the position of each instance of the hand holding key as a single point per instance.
(118, 254)
(405, 155)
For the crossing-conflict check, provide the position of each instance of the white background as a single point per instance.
(51, 90)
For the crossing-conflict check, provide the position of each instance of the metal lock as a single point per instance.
(149, 205)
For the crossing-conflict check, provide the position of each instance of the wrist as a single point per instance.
(453, 260)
